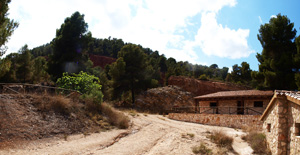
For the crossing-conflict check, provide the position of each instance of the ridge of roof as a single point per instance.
(239, 93)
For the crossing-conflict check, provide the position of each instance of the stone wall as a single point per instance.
(272, 134)
(233, 121)
(224, 104)
(294, 115)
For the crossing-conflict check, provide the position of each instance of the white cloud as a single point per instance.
(214, 39)
(151, 23)
(261, 22)
(273, 16)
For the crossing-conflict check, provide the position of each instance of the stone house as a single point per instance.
(242, 102)
(281, 123)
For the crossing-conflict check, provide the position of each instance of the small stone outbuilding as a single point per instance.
(243, 102)
(281, 123)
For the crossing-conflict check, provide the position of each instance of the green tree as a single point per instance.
(24, 71)
(297, 62)
(39, 70)
(84, 83)
(128, 73)
(240, 74)
(7, 26)
(276, 60)
(69, 46)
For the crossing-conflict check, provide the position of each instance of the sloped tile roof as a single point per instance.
(236, 94)
(292, 96)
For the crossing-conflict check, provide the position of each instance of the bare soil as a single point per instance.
(148, 135)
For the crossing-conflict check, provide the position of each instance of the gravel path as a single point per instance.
(149, 135)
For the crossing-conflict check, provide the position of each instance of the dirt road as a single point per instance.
(149, 135)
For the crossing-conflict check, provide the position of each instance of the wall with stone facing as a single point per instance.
(272, 135)
(225, 120)
(205, 107)
(294, 117)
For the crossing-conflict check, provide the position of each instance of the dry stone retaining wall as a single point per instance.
(233, 121)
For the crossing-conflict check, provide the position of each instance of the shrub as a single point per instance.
(202, 149)
(57, 104)
(203, 77)
(115, 117)
(257, 142)
(83, 83)
(222, 140)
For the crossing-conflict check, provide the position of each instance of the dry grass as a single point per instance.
(57, 104)
(90, 106)
(222, 140)
(202, 149)
(188, 135)
(257, 142)
(115, 117)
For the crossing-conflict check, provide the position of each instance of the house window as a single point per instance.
(258, 103)
(269, 127)
(213, 104)
(297, 129)
(214, 107)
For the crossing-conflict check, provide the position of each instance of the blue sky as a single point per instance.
(199, 31)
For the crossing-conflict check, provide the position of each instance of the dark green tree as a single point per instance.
(24, 71)
(129, 72)
(276, 60)
(39, 70)
(69, 46)
(7, 26)
(240, 74)
(297, 62)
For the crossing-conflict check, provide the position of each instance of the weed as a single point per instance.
(187, 135)
(132, 112)
(145, 114)
(257, 142)
(202, 149)
(86, 134)
(57, 104)
(221, 139)
(191, 135)
(66, 137)
(115, 117)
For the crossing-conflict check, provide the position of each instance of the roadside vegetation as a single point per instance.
(257, 142)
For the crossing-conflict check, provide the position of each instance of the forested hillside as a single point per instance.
(134, 68)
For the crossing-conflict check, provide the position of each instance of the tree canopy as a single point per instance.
(7, 26)
(69, 46)
(276, 60)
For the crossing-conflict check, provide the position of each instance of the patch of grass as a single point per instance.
(86, 134)
(58, 104)
(257, 142)
(132, 112)
(187, 135)
(191, 135)
(66, 137)
(221, 139)
(162, 118)
(115, 117)
(145, 114)
(202, 149)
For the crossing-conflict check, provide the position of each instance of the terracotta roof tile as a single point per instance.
(240, 93)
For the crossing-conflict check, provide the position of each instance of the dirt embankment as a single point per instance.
(101, 61)
(201, 87)
(149, 135)
(23, 117)
(162, 100)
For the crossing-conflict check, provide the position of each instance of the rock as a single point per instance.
(201, 87)
(164, 99)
